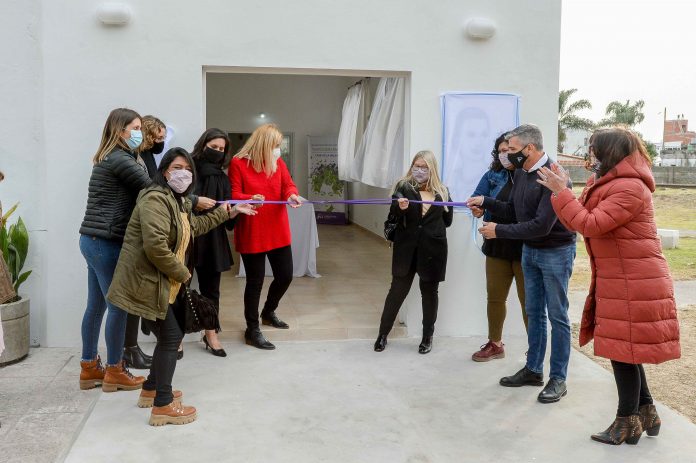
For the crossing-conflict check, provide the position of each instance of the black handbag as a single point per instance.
(390, 227)
(200, 312)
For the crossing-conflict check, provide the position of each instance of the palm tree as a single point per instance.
(567, 117)
(623, 113)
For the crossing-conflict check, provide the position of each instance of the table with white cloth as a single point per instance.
(305, 241)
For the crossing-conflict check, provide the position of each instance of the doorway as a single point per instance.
(354, 261)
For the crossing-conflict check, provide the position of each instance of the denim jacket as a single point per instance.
(490, 185)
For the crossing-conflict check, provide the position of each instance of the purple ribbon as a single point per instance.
(345, 201)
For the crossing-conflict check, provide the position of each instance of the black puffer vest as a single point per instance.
(113, 188)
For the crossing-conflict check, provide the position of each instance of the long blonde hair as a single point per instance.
(117, 121)
(434, 184)
(259, 148)
(150, 127)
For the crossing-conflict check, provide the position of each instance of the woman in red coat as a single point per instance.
(630, 311)
(258, 173)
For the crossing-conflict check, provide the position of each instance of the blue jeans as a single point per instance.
(101, 256)
(546, 275)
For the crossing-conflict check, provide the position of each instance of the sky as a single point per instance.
(632, 49)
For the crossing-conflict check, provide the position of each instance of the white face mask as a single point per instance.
(503, 158)
(276, 153)
(179, 180)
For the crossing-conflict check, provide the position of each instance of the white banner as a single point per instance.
(470, 124)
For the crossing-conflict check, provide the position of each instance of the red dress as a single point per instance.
(270, 228)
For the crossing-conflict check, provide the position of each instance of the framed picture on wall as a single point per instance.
(286, 150)
(237, 140)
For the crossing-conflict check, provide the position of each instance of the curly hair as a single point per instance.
(150, 127)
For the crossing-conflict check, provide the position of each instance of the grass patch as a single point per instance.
(682, 261)
(674, 208)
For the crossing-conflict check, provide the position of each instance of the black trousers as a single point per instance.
(169, 336)
(255, 267)
(400, 287)
(209, 284)
(632, 387)
(132, 323)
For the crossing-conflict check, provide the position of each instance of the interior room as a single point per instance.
(353, 260)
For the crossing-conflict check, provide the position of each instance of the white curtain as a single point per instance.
(353, 120)
(379, 158)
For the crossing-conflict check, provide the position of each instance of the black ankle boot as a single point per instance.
(136, 359)
(381, 343)
(256, 338)
(624, 429)
(426, 345)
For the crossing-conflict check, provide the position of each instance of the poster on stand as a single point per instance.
(324, 183)
(470, 124)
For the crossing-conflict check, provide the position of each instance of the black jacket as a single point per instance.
(418, 236)
(530, 205)
(212, 250)
(113, 188)
(501, 248)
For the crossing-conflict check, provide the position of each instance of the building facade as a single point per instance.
(63, 70)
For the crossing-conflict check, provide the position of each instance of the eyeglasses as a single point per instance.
(422, 170)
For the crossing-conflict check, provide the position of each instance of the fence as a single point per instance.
(664, 176)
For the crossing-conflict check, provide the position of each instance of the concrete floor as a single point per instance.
(328, 401)
(345, 303)
(338, 401)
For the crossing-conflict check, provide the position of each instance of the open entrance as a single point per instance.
(353, 260)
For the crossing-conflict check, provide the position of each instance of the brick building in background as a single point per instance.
(677, 130)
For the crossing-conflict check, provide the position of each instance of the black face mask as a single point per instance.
(157, 147)
(214, 156)
(517, 159)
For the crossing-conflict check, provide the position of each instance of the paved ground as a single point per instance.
(326, 401)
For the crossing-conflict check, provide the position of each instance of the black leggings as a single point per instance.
(632, 386)
(169, 336)
(132, 323)
(400, 287)
(255, 267)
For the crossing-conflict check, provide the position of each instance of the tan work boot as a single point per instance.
(91, 374)
(174, 413)
(147, 398)
(118, 377)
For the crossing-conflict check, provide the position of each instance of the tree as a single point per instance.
(650, 147)
(567, 117)
(627, 114)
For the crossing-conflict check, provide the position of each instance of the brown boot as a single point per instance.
(91, 374)
(118, 377)
(650, 419)
(174, 413)
(147, 398)
(624, 429)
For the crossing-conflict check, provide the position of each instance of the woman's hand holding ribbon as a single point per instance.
(294, 201)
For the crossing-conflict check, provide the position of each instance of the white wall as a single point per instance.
(154, 65)
(22, 151)
(304, 105)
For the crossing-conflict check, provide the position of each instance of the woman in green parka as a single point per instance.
(152, 269)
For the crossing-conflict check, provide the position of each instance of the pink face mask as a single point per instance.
(180, 180)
